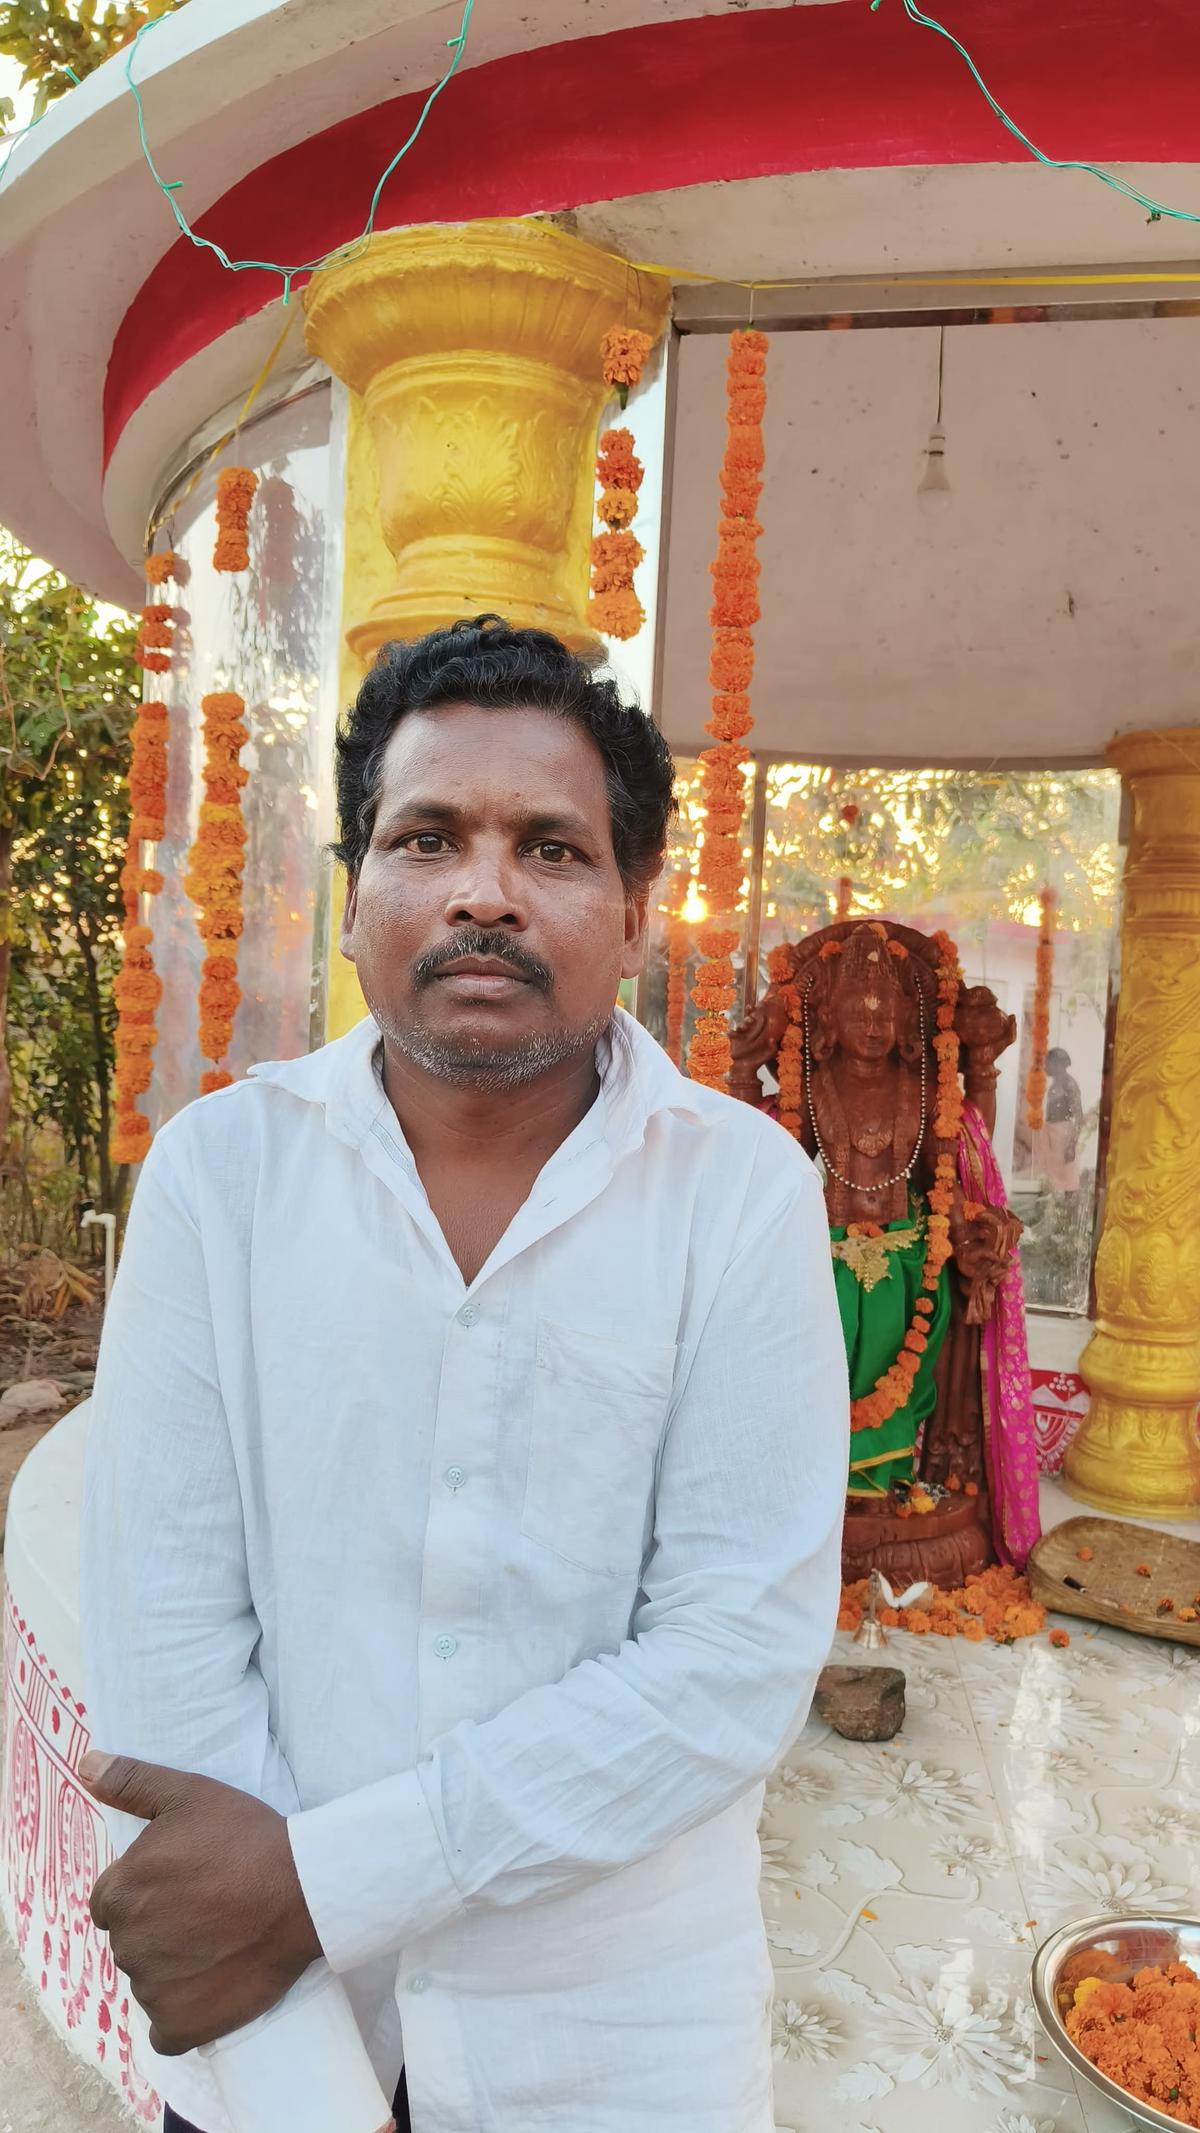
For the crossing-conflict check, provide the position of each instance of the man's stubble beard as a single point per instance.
(466, 1064)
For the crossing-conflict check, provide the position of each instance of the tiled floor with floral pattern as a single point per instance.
(906, 1886)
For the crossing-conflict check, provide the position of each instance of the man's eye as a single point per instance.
(554, 854)
(427, 842)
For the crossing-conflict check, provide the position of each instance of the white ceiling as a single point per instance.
(1047, 603)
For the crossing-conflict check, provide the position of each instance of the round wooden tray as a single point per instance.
(1108, 1589)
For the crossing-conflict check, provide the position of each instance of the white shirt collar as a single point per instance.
(636, 1080)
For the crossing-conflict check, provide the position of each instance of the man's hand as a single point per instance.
(205, 1911)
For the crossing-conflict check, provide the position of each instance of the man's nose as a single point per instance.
(487, 891)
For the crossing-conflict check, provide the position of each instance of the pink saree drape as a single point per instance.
(1009, 1439)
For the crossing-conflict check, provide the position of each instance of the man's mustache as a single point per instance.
(495, 947)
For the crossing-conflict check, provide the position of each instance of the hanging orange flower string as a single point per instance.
(893, 1388)
(1035, 1087)
(678, 948)
(161, 567)
(845, 896)
(734, 612)
(614, 608)
(790, 1060)
(138, 988)
(214, 881)
(623, 353)
(235, 494)
(155, 637)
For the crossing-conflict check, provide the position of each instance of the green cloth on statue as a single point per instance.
(874, 1323)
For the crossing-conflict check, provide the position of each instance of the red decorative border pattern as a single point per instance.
(53, 1844)
(1060, 1401)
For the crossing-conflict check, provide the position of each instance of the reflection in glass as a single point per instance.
(677, 914)
(967, 851)
(260, 633)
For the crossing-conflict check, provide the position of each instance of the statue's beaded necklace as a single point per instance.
(831, 1169)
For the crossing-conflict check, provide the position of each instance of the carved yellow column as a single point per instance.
(476, 353)
(472, 354)
(1137, 1450)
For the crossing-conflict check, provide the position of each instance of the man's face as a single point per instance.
(489, 924)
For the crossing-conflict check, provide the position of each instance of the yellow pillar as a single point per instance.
(472, 354)
(1137, 1450)
(476, 354)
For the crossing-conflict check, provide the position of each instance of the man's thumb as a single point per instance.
(142, 1789)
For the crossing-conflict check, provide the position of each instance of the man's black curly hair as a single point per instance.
(484, 662)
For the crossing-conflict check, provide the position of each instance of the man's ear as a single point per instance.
(349, 914)
(637, 919)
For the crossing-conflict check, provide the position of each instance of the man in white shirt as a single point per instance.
(464, 1490)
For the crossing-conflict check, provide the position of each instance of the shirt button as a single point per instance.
(445, 1647)
(455, 1477)
(419, 1982)
(468, 1315)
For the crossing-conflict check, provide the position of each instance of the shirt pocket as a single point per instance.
(598, 1410)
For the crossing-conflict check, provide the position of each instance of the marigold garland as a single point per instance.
(678, 948)
(155, 637)
(214, 880)
(789, 1064)
(161, 568)
(235, 494)
(845, 896)
(138, 988)
(614, 608)
(734, 612)
(996, 1604)
(623, 353)
(893, 1388)
(1035, 1086)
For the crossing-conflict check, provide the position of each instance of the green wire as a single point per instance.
(169, 187)
(20, 133)
(1154, 208)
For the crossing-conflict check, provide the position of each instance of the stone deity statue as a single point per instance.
(851, 1028)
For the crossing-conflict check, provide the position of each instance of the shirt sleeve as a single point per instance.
(631, 1749)
(169, 1630)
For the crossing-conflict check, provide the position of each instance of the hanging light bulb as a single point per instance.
(935, 480)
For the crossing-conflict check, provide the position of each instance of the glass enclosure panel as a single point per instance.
(259, 632)
(970, 851)
(677, 915)
(967, 851)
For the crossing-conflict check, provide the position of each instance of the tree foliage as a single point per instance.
(913, 842)
(68, 688)
(57, 42)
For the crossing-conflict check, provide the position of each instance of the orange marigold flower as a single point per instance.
(617, 464)
(623, 353)
(617, 613)
(235, 494)
(617, 507)
(1060, 1639)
